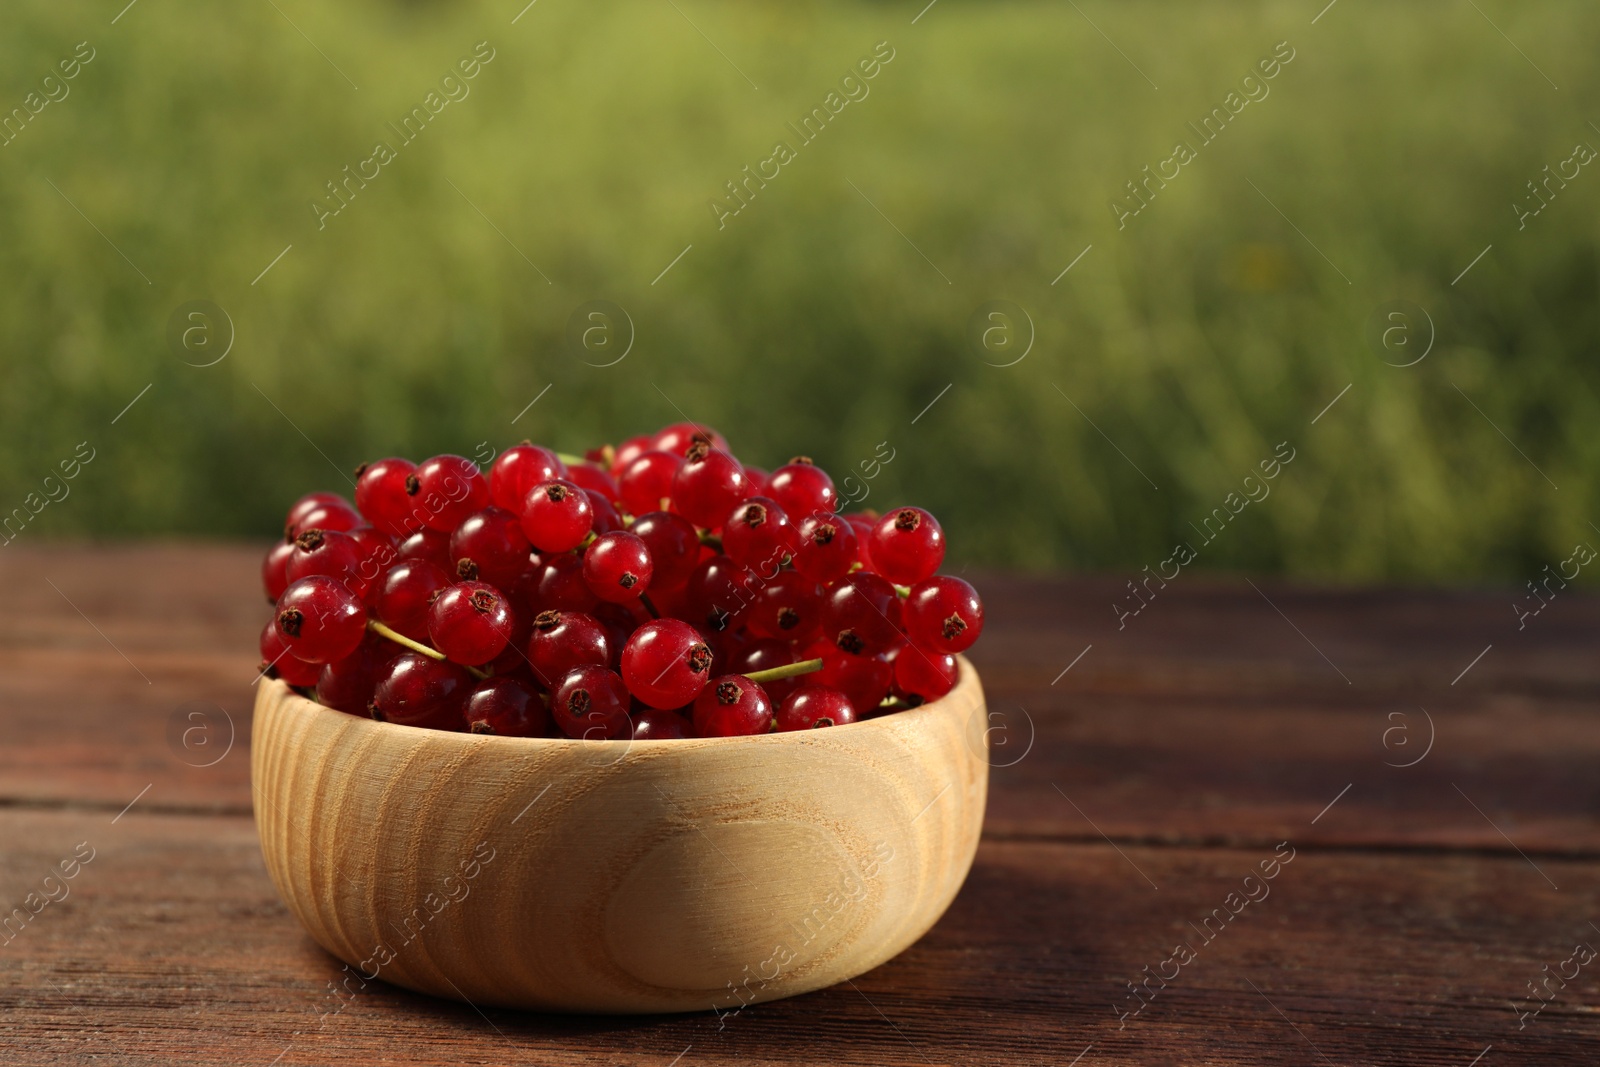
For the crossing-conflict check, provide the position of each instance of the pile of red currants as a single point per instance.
(659, 589)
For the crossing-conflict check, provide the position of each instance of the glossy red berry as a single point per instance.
(378, 553)
(861, 614)
(517, 470)
(337, 515)
(757, 535)
(331, 553)
(907, 546)
(348, 684)
(470, 622)
(320, 620)
(666, 663)
(489, 546)
(274, 569)
(811, 707)
(563, 641)
(418, 690)
(659, 724)
(382, 497)
(864, 679)
(328, 511)
(444, 490)
(679, 437)
(431, 545)
(718, 594)
(559, 586)
(617, 567)
(509, 707)
(863, 523)
(646, 483)
(943, 614)
(405, 593)
(592, 477)
(803, 489)
(788, 607)
(627, 452)
(732, 706)
(557, 516)
(929, 675)
(708, 485)
(278, 662)
(607, 519)
(827, 548)
(758, 477)
(674, 547)
(591, 704)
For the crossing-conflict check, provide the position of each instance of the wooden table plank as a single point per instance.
(171, 945)
(1208, 718)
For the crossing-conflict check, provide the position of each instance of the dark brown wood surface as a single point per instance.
(1131, 795)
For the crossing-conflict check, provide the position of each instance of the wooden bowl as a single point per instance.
(616, 876)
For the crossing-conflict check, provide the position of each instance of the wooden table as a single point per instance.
(1141, 775)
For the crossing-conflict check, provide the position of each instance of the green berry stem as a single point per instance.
(568, 457)
(416, 646)
(789, 670)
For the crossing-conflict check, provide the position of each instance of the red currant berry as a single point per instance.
(348, 684)
(444, 490)
(278, 662)
(560, 586)
(627, 452)
(708, 485)
(489, 546)
(646, 483)
(319, 505)
(659, 724)
(718, 593)
(803, 489)
(864, 679)
(509, 707)
(470, 622)
(943, 614)
(732, 706)
(787, 607)
(320, 619)
(274, 569)
(517, 470)
(666, 663)
(861, 614)
(681, 436)
(418, 690)
(862, 523)
(378, 554)
(431, 545)
(557, 516)
(827, 548)
(328, 552)
(617, 567)
(591, 704)
(594, 478)
(674, 547)
(929, 675)
(563, 641)
(814, 706)
(907, 546)
(381, 495)
(405, 594)
(338, 516)
(758, 535)
(607, 519)
(758, 480)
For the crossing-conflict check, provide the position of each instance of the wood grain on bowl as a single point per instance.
(616, 876)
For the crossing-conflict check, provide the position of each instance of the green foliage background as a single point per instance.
(1196, 339)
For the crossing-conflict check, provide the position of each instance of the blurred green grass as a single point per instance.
(1195, 340)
